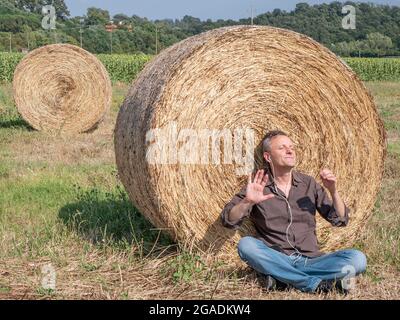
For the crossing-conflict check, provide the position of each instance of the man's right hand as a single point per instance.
(254, 195)
(255, 189)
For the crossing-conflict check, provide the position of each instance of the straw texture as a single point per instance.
(62, 88)
(255, 77)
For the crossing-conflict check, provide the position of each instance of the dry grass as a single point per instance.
(89, 148)
(102, 275)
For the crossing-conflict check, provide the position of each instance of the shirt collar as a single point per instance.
(296, 179)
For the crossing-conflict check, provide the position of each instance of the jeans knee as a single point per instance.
(246, 246)
(358, 260)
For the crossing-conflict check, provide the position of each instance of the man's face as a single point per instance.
(282, 152)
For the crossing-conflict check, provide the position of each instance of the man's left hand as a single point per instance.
(328, 180)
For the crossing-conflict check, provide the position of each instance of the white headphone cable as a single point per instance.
(297, 253)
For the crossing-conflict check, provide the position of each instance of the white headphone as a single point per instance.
(297, 252)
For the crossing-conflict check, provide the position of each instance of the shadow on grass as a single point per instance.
(14, 124)
(110, 219)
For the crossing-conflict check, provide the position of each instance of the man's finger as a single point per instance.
(324, 175)
(258, 177)
(268, 196)
(261, 176)
(325, 172)
(330, 179)
(255, 177)
(265, 180)
(249, 179)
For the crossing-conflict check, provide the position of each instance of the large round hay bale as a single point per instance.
(62, 88)
(240, 78)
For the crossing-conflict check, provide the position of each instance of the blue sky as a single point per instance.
(203, 9)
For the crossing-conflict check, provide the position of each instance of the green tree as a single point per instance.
(378, 43)
(96, 16)
(120, 18)
(35, 6)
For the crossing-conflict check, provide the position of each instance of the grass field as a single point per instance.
(61, 203)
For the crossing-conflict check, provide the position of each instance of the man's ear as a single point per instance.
(267, 157)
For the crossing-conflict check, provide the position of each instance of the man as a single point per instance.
(282, 205)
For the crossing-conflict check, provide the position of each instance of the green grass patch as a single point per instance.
(109, 218)
(46, 207)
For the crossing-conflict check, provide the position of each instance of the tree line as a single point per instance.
(376, 33)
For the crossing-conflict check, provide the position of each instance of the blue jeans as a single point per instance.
(302, 272)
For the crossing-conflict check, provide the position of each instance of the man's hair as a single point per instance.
(268, 137)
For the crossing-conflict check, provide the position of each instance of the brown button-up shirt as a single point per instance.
(272, 217)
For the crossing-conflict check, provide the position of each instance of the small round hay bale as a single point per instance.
(62, 88)
(255, 77)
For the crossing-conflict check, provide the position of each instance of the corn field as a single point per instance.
(126, 67)
(122, 68)
(8, 63)
(375, 69)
